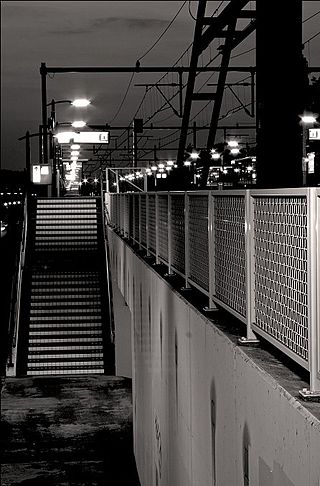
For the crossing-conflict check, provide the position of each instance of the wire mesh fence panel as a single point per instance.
(280, 270)
(152, 222)
(136, 217)
(126, 214)
(143, 220)
(163, 226)
(130, 196)
(198, 240)
(178, 232)
(230, 252)
(117, 201)
(122, 212)
(112, 210)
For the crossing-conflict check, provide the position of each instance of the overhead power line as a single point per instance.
(163, 33)
(124, 98)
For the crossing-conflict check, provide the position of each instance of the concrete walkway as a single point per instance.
(67, 431)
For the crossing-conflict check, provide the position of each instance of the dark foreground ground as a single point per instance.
(67, 431)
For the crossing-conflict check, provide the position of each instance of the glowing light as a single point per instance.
(85, 180)
(96, 180)
(79, 124)
(234, 151)
(236, 169)
(64, 137)
(215, 155)
(233, 143)
(164, 175)
(158, 176)
(75, 152)
(154, 167)
(170, 163)
(187, 163)
(81, 102)
(75, 146)
(249, 168)
(308, 119)
(161, 166)
(168, 168)
(194, 155)
(74, 158)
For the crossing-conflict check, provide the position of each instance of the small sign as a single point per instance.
(314, 133)
(84, 137)
(41, 174)
(36, 176)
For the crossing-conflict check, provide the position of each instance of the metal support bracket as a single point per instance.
(310, 396)
(244, 341)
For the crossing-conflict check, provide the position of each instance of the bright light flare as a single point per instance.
(64, 137)
(233, 143)
(80, 102)
(79, 124)
(194, 155)
(234, 151)
(308, 119)
(75, 152)
(75, 146)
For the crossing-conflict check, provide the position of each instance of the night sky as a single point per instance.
(106, 33)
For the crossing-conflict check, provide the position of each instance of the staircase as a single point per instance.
(64, 291)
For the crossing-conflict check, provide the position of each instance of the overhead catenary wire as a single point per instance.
(164, 106)
(163, 33)
(124, 97)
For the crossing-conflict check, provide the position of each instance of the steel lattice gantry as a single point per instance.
(224, 26)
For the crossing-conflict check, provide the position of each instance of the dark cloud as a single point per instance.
(129, 23)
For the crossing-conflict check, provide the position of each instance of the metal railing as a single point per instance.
(14, 317)
(253, 252)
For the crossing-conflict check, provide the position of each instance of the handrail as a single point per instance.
(14, 315)
(253, 252)
(107, 256)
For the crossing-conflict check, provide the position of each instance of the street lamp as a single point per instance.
(77, 103)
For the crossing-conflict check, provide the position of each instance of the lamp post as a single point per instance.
(50, 125)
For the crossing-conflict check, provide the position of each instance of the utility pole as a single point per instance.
(280, 89)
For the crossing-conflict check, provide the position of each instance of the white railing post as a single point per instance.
(313, 276)
(157, 228)
(250, 338)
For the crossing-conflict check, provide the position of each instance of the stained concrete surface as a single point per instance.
(67, 431)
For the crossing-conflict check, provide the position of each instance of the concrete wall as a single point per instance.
(204, 413)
